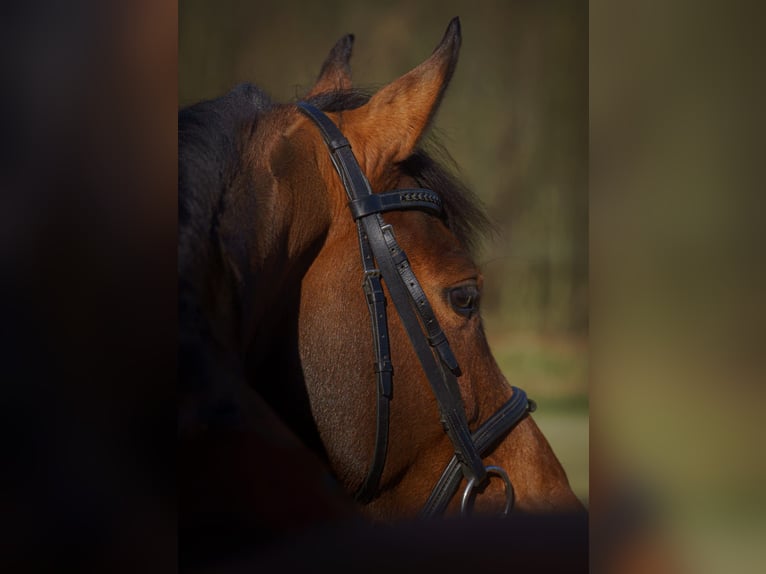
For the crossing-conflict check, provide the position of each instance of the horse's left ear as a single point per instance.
(336, 70)
(395, 118)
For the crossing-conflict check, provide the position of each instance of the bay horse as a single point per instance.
(332, 361)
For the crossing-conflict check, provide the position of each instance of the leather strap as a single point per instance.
(356, 186)
(399, 200)
(376, 303)
(409, 299)
(450, 402)
(485, 437)
(436, 337)
(382, 256)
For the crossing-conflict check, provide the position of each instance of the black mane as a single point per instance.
(208, 155)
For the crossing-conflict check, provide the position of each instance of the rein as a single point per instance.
(382, 258)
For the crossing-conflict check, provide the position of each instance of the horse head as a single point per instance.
(288, 313)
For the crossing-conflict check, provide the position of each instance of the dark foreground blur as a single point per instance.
(520, 544)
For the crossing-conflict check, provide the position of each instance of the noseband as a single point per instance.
(382, 258)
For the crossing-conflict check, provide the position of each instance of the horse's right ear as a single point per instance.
(336, 70)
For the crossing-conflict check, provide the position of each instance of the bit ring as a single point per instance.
(509, 494)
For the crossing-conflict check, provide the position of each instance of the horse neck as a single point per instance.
(240, 288)
(291, 229)
(256, 260)
(254, 228)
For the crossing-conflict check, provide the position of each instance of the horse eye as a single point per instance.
(464, 299)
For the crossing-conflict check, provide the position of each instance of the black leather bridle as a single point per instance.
(383, 258)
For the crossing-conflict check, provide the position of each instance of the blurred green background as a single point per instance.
(515, 120)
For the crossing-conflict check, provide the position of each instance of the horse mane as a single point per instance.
(432, 167)
(209, 156)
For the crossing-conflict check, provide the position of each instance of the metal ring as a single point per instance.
(509, 495)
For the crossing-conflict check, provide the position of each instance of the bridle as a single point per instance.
(382, 258)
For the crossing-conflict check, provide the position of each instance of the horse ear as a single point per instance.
(336, 70)
(397, 115)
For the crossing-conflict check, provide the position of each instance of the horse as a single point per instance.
(332, 362)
